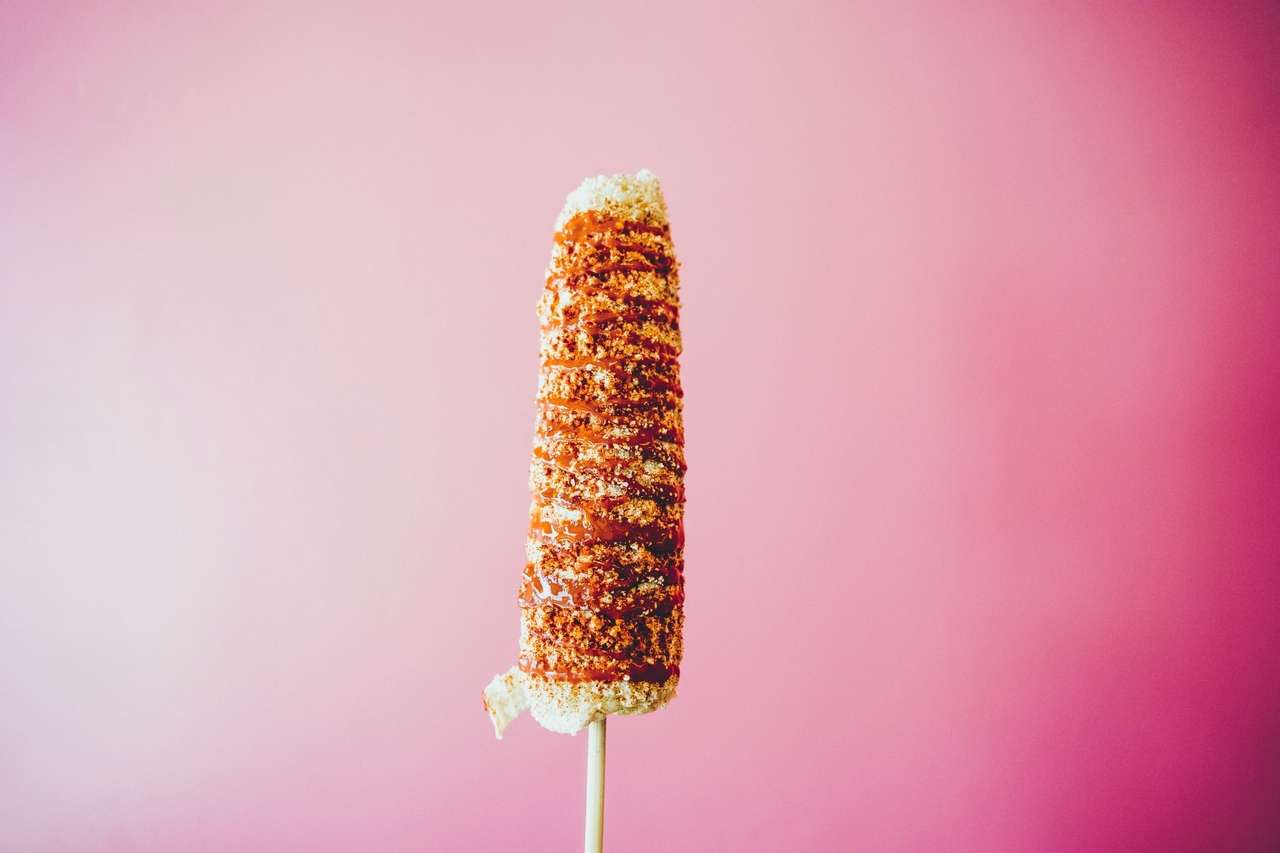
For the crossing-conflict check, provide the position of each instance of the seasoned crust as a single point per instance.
(559, 640)
(611, 341)
(619, 472)
(608, 563)
(654, 384)
(630, 300)
(602, 595)
(661, 427)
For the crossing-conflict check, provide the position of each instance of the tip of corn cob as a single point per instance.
(635, 197)
(569, 708)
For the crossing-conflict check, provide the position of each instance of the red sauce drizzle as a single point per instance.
(592, 222)
(647, 386)
(642, 672)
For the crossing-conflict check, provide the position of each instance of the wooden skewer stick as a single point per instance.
(595, 787)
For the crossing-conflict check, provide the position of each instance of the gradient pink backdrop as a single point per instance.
(982, 314)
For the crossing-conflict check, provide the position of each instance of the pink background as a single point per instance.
(982, 314)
